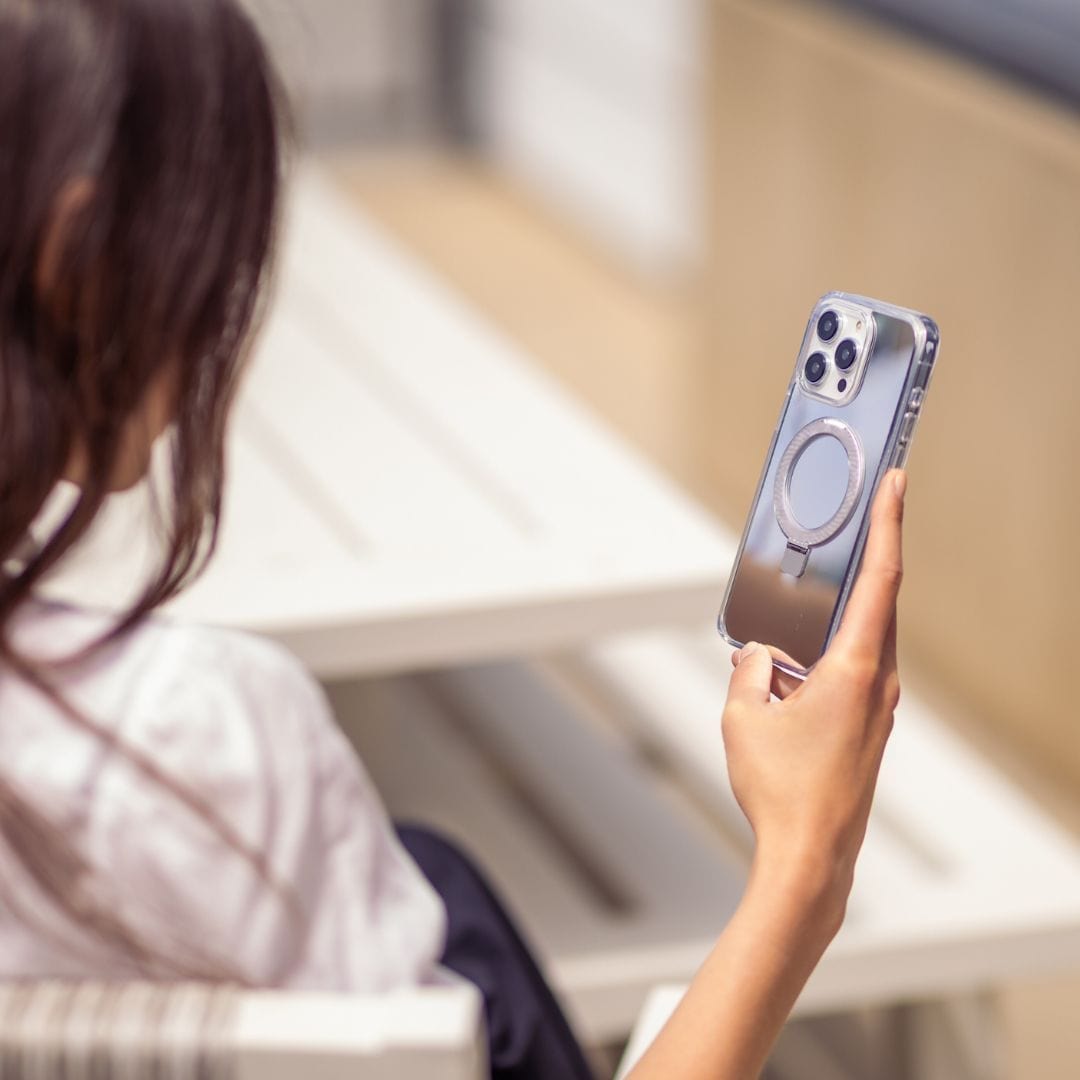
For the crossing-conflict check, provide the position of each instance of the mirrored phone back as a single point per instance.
(849, 416)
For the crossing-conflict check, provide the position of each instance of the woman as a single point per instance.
(177, 802)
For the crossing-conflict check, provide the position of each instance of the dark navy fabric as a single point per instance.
(529, 1036)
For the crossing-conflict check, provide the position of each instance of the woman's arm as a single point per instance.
(804, 769)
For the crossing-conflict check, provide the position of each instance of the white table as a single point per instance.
(407, 493)
(406, 490)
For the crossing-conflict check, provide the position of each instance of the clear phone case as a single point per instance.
(849, 416)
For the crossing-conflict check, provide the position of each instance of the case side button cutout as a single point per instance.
(907, 426)
(794, 560)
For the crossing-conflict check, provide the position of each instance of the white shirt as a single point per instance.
(242, 725)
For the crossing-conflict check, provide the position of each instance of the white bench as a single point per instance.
(408, 495)
(594, 787)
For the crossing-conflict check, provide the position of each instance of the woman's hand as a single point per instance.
(804, 768)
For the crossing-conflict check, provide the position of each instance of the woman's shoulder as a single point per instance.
(162, 657)
(238, 723)
(209, 703)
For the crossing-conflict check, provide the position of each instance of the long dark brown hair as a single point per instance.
(165, 117)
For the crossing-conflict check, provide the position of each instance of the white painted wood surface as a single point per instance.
(595, 791)
(614, 885)
(405, 1035)
(963, 881)
(406, 490)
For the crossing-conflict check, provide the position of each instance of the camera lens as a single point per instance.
(846, 352)
(815, 367)
(827, 326)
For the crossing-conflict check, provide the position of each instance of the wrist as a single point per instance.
(807, 881)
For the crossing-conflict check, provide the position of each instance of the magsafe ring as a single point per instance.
(825, 427)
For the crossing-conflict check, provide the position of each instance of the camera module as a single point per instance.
(815, 367)
(827, 325)
(846, 352)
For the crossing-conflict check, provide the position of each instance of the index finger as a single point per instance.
(864, 628)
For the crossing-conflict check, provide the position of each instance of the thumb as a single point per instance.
(751, 681)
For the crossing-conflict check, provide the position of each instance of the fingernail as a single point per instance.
(900, 483)
(749, 649)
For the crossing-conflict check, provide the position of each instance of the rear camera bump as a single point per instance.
(815, 367)
(827, 325)
(846, 352)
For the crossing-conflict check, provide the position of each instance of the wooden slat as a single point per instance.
(403, 1035)
(618, 887)
(557, 777)
(427, 771)
(365, 447)
(536, 448)
(620, 343)
(962, 880)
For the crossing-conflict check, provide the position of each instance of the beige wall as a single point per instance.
(846, 157)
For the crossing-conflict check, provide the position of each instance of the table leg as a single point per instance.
(954, 1039)
(960, 1038)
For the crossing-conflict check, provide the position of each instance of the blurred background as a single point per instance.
(649, 196)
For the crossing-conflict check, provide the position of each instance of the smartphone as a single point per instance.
(849, 416)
